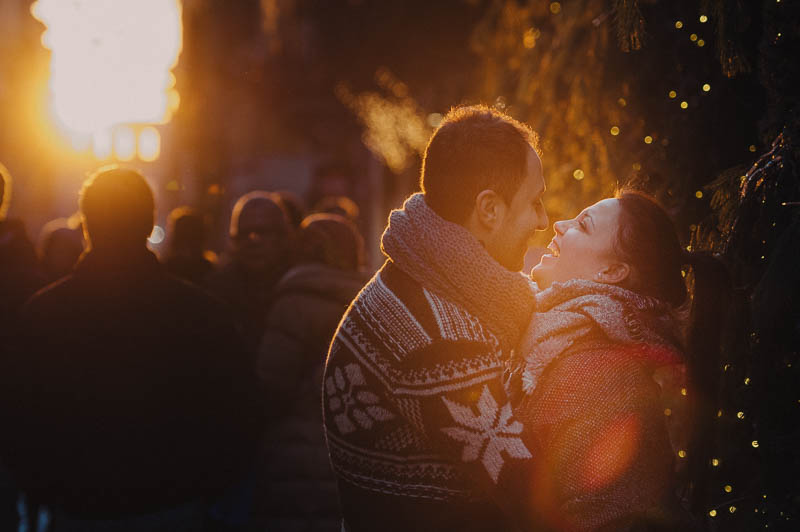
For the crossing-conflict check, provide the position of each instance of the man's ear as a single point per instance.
(489, 209)
(614, 273)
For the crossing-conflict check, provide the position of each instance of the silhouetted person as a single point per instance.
(19, 278)
(186, 256)
(293, 207)
(132, 400)
(20, 275)
(60, 247)
(341, 205)
(296, 487)
(258, 257)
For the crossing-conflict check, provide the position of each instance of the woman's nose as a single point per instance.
(560, 226)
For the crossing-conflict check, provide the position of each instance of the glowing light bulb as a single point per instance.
(578, 174)
(672, 94)
(712, 513)
(698, 194)
(149, 144)
(728, 488)
(648, 139)
(555, 8)
(101, 144)
(614, 130)
(684, 104)
(678, 24)
(124, 144)
(703, 19)
(706, 87)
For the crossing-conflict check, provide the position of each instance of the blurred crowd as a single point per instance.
(178, 391)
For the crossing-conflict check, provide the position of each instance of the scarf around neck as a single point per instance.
(580, 310)
(448, 260)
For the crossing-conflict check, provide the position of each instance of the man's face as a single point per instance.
(262, 235)
(520, 219)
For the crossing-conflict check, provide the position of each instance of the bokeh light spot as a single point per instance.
(149, 144)
(157, 235)
(124, 143)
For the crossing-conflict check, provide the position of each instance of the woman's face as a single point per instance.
(583, 248)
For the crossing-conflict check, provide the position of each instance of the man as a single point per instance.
(132, 398)
(260, 249)
(420, 433)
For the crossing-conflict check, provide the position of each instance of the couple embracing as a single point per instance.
(462, 395)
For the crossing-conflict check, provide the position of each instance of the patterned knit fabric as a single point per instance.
(420, 432)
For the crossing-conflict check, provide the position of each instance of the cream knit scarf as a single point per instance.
(448, 260)
(584, 311)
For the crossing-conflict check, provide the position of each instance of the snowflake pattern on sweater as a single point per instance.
(440, 426)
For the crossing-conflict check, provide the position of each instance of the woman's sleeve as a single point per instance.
(605, 459)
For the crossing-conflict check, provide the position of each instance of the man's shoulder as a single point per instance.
(396, 315)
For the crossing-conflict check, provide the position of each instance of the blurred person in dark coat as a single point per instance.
(20, 274)
(259, 256)
(60, 247)
(186, 256)
(20, 277)
(129, 394)
(297, 490)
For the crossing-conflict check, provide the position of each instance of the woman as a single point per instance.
(609, 367)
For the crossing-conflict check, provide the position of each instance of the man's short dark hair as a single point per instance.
(117, 204)
(475, 148)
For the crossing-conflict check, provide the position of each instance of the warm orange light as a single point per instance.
(111, 61)
(149, 146)
(611, 453)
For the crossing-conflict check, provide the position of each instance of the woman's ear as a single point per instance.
(614, 273)
(489, 209)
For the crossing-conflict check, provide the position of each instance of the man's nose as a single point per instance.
(544, 221)
(559, 227)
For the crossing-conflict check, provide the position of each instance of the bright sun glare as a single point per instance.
(110, 66)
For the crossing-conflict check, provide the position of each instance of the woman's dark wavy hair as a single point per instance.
(647, 241)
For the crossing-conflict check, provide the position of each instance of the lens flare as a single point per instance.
(111, 61)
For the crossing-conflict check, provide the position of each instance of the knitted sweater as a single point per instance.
(420, 432)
